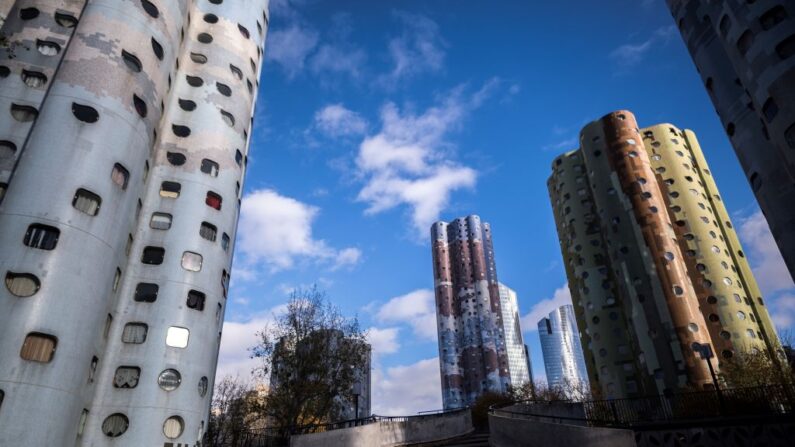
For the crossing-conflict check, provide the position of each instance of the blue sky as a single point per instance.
(376, 118)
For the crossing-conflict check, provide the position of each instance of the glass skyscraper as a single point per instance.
(560, 345)
(518, 360)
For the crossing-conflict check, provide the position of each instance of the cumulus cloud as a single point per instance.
(769, 269)
(383, 341)
(630, 55)
(335, 120)
(542, 308)
(415, 309)
(338, 59)
(407, 389)
(234, 356)
(290, 47)
(408, 162)
(418, 49)
(277, 230)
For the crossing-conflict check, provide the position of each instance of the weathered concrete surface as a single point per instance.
(389, 433)
(515, 432)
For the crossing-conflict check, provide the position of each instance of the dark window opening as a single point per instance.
(773, 17)
(28, 13)
(187, 105)
(211, 18)
(153, 255)
(239, 158)
(33, 79)
(789, 135)
(208, 231)
(140, 106)
(745, 41)
(180, 131)
(209, 167)
(160, 221)
(47, 47)
(225, 242)
(786, 47)
(170, 190)
(115, 425)
(756, 181)
(213, 200)
(175, 158)
(86, 202)
(132, 61)
(243, 31)
(84, 113)
(725, 25)
(770, 109)
(43, 237)
(196, 300)
(157, 49)
(24, 114)
(150, 8)
(134, 333)
(194, 81)
(236, 71)
(228, 118)
(146, 292)
(126, 377)
(730, 129)
(4, 71)
(223, 89)
(198, 58)
(204, 38)
(65, 20)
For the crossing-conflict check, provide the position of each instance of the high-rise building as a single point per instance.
(122, 155)
(472, 354)
(518, 365)
(563, 356)
(654, 265)
(745, 53)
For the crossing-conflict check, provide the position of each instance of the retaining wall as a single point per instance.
(515, 432)
(389, 433)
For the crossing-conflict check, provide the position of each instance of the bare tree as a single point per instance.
(312, 356)
(233, 405)
(755, 368)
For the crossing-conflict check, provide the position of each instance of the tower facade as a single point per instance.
(654, 265)
(745, 54)
(518, 359)
(472, 354)
(122, 155)
(560, 345)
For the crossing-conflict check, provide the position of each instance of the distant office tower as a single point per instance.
(529, 364)
(359, 405)
(560, 345)
(745, 53)
(518, 366)
(653, 261)
(472, 354)
(122, 153)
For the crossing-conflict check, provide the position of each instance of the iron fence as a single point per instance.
(737, 403)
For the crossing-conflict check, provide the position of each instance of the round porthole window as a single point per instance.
(173, 427)
(169, 379)
(115, 425)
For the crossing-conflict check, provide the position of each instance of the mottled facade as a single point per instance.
(653, 262)
(123, 144)
(563, 356)
(518, 358)
(472, 354)
(745, 53)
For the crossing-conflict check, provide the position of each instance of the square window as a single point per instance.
(160, 221)
(196, 300)
(209, 167)
(191, 261)
(126, 377)
(213, 200)
(146, 292)
(225, 242)
(153, 255)
(38, 347)
(208, 231)
(43, 237)
(170, 190)
(87, 202)
(134, 333)
(120, 175)
(177, 337)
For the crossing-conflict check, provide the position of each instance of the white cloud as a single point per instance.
(383, 341)
(338, 59)
(629, 55)
(419, 49)
(416, 308)
(277, 230)
(408, 162)
(769, 269)
(335, 120)
(234, 356)
(407, 389)
(542, 308)
(290, 47)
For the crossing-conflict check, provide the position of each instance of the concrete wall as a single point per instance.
(411, 430)
(510, 432)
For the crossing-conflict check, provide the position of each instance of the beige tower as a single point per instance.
(653, 262)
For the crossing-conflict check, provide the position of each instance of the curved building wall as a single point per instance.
(745, 54)
(472, 352)
(100, 129)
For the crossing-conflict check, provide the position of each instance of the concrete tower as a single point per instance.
(122, 156)
(472, 354)
(518, 361)
(560, 345)
(745, 54)
(652, 259)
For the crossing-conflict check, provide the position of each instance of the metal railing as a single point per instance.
(737, 403)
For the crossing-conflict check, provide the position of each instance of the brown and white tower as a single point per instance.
(472, 354)
(124, 130)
